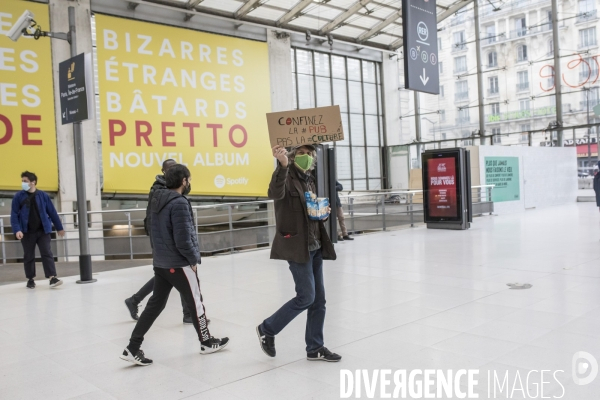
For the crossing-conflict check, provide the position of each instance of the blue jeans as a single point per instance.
(310, 295)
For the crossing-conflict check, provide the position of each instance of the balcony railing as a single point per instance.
(587, 16)
(520, 32)
(522, 86)
(461, 96)
(459, 71)
(493, 92)
(457, 47)
(463, 120)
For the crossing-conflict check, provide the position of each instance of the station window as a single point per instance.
(322, 79)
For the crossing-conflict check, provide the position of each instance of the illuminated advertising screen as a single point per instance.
(441, 176)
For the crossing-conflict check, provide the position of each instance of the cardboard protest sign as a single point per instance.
(309, 126)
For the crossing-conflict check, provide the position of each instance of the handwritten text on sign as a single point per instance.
(310, 126)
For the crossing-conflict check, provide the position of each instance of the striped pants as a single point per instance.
(185, 280)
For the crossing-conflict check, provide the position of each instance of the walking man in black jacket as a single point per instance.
(176, 257)
(304, 244)
(133, 303)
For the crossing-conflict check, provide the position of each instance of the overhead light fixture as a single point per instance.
(308, 35)
(330, 39)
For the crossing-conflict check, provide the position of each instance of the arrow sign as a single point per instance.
(424, 77)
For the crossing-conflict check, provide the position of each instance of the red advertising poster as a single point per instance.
(442, 187)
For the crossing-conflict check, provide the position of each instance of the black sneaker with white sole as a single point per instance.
(323, 354)
(187, 320)
(138, 358)
(213, 345)
(54, 282)
(133, 308)
(31, 284)
(267, 343)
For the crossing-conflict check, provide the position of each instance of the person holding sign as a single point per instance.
(302, 241)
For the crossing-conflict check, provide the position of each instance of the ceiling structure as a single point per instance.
(373, 23)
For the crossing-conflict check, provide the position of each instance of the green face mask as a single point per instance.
(304, 162)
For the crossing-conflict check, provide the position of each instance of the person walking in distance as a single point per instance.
(176, 257)
(133, 303)
(304, 244)
(597, 184)
(32, 216)
(340, 213)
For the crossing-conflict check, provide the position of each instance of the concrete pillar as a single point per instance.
(281, 70)
(282, 91)
(67, 193)
(395, 172)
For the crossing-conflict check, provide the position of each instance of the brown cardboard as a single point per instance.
(308, 126)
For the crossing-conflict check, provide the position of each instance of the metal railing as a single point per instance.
(227, 227)
(522, 86)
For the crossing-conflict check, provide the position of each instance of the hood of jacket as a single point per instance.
(162, 197)
(160, 180)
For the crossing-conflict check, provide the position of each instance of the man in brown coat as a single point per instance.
(304, 244)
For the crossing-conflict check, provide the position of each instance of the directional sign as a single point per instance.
(419, 25)
(76, 88)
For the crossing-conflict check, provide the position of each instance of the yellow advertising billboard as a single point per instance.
(195, 97)
(27, 120)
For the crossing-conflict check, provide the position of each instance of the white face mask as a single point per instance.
(25, 186)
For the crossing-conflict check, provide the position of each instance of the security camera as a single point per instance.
(20, 26)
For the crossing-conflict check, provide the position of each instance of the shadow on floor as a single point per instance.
(14, 273)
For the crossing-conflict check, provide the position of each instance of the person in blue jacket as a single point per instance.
(32, 216)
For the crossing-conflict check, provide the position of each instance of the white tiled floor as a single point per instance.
(408, 299)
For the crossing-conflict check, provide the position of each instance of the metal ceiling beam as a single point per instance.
(190, 5)
(246, 8)
(293, 13)
(380, 26)
(453, 9)
(337, 21)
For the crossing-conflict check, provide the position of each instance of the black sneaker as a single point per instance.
(267, 343)
(340, 239)
(348, 238)
(187, 320)
(139, 358)
(133, 308)
(31, 284)
(213, 345)
(323, 354)
(54, 282)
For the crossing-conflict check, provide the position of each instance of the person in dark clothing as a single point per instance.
(176, 257)
(133, 303)
(32, 216)
(597, 187)
(304, 244)
(340, 213)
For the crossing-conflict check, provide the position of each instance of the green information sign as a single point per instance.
(503, 172)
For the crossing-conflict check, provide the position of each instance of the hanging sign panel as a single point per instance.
(75, 84)
(195, 97)
(27, 120)
(419, 26)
